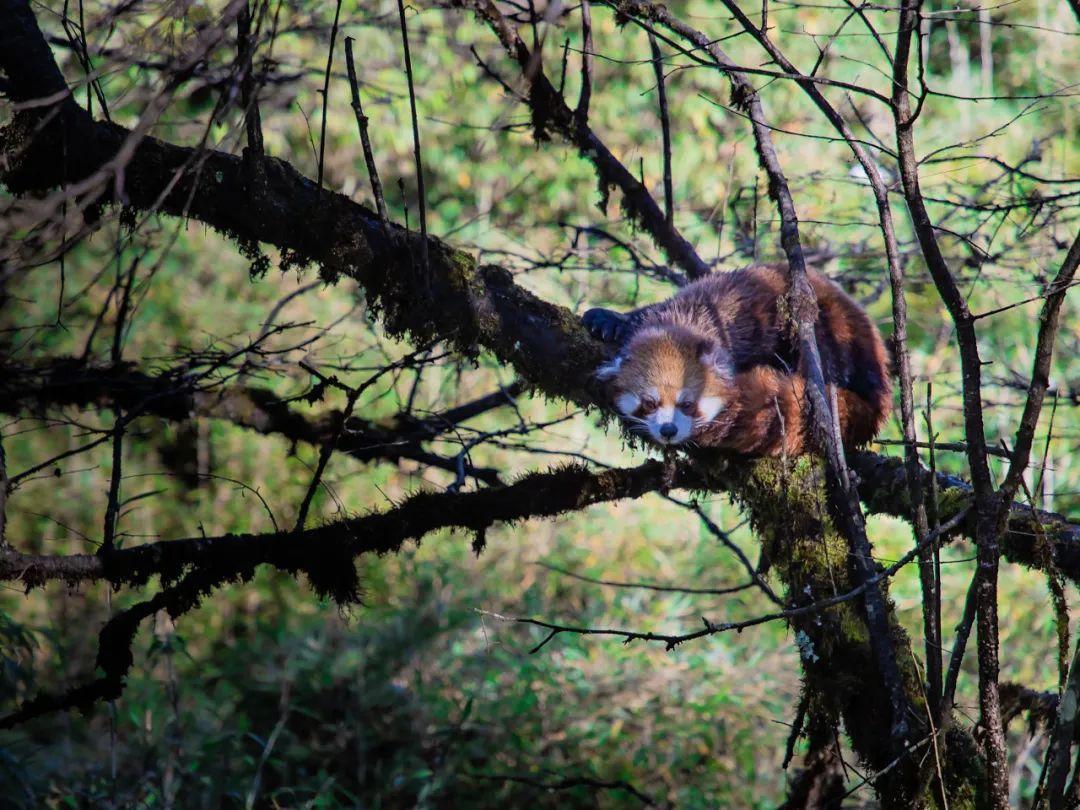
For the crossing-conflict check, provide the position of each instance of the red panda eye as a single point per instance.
(647, 406)
(688, 407)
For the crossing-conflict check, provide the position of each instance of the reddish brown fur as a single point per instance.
(734, 316)
(764, 414)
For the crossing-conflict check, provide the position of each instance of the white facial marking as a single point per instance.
(709, 407)
(627, 403)
(610, 371)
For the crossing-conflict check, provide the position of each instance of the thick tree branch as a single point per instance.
(114, 656)
(326, 554)
(882, 482)
(990, 517)
(267, 200)
(883, 487)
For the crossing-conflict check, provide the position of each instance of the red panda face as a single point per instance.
(668, 383)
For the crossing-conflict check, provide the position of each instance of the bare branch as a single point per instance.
(665, 128)
(1040, 374)
(673, 640)
(585, 96)
(551, 112)
(172, 396)
(326, 91)
(416, 140)
(365, 141)
(990, 513)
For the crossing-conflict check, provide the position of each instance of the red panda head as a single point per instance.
(668, 382)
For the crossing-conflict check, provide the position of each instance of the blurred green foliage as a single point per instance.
(423, 697)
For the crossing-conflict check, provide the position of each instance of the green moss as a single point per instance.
(965, 770)
(852, 626)
(461, 273)
(787, 505)
(952, 501)
(786, 502)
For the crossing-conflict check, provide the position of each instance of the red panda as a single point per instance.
(713, 365)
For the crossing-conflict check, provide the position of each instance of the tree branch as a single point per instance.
(325, 554)
(453, 299)
(550, 111)
(170, 396)
(883, 487)
(990, 519)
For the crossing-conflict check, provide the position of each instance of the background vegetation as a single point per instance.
(268, 696)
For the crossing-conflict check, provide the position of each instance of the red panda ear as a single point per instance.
(715, 355)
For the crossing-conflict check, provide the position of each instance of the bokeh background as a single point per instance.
(266, 696)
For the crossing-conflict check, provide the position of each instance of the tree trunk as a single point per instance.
(786, 503)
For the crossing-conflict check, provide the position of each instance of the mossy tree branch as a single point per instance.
(192, 568)
(320, 552)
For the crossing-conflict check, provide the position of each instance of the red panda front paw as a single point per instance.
(605, 325)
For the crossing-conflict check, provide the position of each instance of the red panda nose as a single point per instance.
(668, 429)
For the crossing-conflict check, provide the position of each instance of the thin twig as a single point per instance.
(582, 110)
(963, 632)
(326, 91)
(933, 519)
(729, 544)
(325, 452)
(796, 727)
(648, 586)
(665, 128)
(3, 494)
(365, 141)
(671, 641)
(955, 447)
(416, 138)
(112, 508)
(264, 755)
(1049, 320)
(933, 731)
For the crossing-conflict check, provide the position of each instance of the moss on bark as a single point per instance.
(787, 506)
